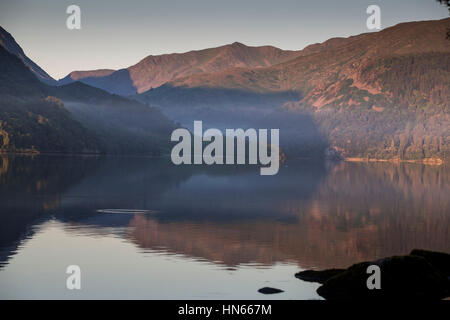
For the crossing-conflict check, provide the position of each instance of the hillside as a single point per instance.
(35, 117)
(123, 126)
(31, 120)
(380, 95)
(154, 71)
(85, 76)
(10, 45)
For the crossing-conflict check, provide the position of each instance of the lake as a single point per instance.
(143, 228)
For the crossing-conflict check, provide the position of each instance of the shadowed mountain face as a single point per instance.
(33, 120)
(76, 118)
(123, 126)
(154, 71)
(381, 95)
(117, 82)
(9, 44)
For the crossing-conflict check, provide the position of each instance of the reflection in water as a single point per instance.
(125, 211)
(309, 215)
(359, 212)
(30, 187)
(4, 166)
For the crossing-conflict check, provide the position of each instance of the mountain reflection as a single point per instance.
(360, 212)
(30, 187)
(313, 214)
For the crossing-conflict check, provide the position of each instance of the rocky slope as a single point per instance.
(153, 71)
(379, 95)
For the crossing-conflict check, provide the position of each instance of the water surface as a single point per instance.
(143, 228)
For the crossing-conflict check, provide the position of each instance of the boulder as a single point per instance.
(402, 277)
(268, 290)
(439, 260)
(318, 276)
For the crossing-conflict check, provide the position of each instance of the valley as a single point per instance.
(382, 95)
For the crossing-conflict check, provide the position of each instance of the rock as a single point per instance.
(439, 260)
(268, 290)
(402, 277)
(318, 276)
(333, 154)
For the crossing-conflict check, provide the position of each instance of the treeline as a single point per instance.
(388, 134)
(418, 79)
(75, 118)
(42, 125)
(409, 119)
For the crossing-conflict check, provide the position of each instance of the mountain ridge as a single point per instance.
(378, 95)
(79, 75)
(155, 70)
(381, 95)
(8, 42)
(320, 51)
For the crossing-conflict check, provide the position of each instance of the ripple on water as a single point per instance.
(126, 211)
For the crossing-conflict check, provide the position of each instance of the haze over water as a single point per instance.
(202, 232)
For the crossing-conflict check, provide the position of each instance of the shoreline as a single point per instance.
(81, 154)
(429, 161)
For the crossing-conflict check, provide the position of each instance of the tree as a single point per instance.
(446, 3)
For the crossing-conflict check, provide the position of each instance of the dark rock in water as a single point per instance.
(402, 277)
(439, 260)
(318, 276)
(268, 290)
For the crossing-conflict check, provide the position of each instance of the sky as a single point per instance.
(117, 34)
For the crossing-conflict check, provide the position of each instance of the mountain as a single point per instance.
(74, 118)
(345, 57)
(123, 126)
(31, 120)
(9, 44)
(381, 95)
(85, 76)
(153, 71)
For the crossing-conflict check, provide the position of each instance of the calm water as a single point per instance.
(209, 232)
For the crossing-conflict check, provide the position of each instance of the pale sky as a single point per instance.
(117, 34)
